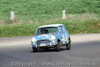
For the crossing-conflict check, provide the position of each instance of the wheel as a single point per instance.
(59, 43)
(68, 46)
(58, 46)
(34, 49)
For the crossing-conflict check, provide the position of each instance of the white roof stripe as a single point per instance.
(51, 25)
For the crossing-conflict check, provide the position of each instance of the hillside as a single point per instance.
(82, 16)
(44, 10)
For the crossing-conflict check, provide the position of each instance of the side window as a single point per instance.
(64, 30)
(61, 29)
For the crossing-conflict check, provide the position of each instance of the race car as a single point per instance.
(51, 36)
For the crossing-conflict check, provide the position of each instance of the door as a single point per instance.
(66, 35)
(62, 35)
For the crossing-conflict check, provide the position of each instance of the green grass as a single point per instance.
(43, 10)
(82, 16)
(86, 26)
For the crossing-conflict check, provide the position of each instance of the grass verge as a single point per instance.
(73, 27)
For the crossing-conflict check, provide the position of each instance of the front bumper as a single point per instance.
(42, 45)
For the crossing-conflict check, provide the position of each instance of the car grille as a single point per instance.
(43, 42)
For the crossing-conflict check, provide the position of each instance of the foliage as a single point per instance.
(43, 10)
(83, 16)
(86, 26)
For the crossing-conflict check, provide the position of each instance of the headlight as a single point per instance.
(53, 38)
(67, 37)
(33, 40)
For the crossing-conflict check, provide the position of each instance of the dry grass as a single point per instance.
(85, 16)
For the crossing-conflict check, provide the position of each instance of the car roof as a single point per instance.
(51, 25)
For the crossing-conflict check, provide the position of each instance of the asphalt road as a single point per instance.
(17, 52)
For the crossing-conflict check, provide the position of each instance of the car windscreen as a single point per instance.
(47, 30)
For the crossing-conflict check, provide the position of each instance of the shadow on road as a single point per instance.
(50, 50)
(74, 47)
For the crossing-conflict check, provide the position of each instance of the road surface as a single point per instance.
(17, 52)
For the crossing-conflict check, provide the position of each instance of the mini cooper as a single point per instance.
(51, 36)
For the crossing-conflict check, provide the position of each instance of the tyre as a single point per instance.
(68, 46)
(58, 46)
(34, 49)
(59, 43)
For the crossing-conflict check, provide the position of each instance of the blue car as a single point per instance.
(51, 36)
